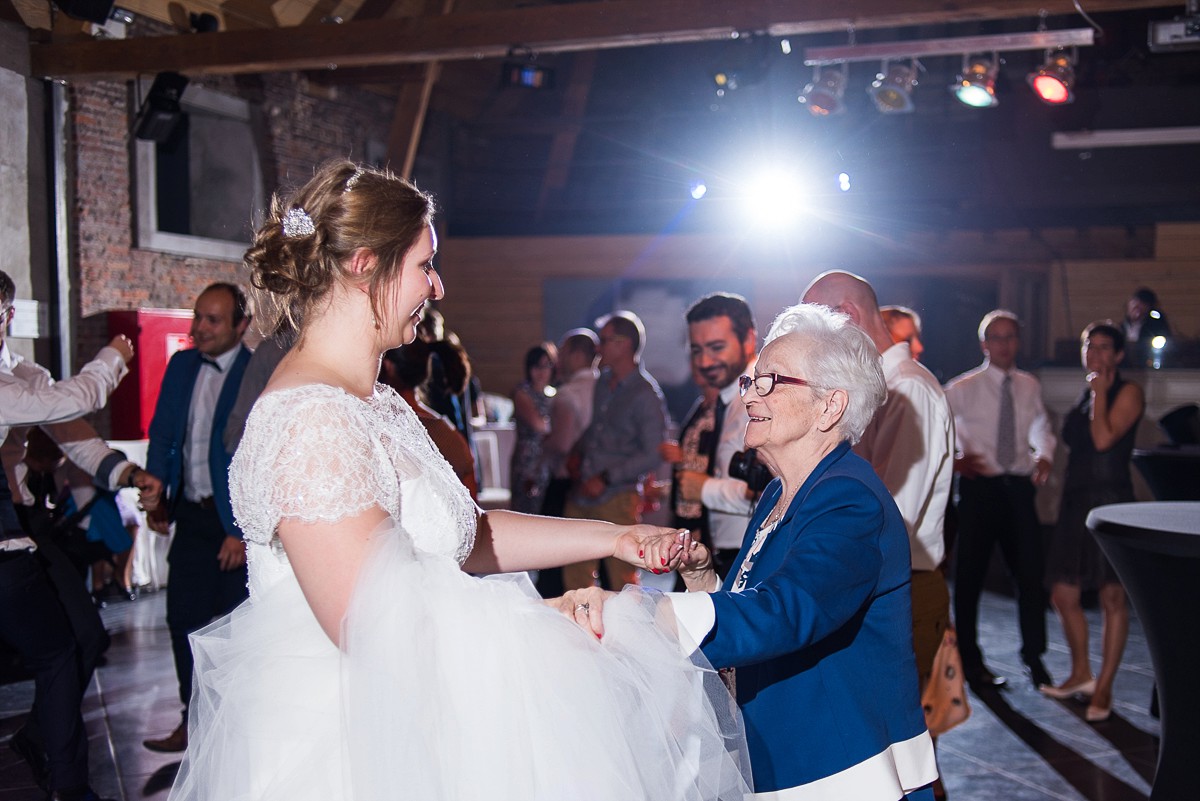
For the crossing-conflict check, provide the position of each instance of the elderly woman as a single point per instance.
(815, 613)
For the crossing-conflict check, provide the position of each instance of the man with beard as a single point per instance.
(722, 338)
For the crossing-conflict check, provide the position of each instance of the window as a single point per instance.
(200, 193)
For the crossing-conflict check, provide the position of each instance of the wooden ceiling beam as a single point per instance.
(373, 9)
(411, 107)
(562, 147)
(33, 13)
(554, 28)
(244, 15)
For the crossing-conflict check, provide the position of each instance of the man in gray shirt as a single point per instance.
(620, 446)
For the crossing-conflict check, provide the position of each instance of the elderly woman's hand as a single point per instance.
(697, 571)
(585, 607)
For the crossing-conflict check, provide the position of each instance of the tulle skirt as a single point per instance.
(453, 688)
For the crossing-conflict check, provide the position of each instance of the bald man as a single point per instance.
(910, 443)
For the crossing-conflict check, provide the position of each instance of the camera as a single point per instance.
(745, 465)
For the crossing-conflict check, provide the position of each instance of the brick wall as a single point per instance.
(298, 130)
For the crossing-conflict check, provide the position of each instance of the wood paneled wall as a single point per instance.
(1093, 289)
(494, 285)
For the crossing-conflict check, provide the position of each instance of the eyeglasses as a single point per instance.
(765, 384)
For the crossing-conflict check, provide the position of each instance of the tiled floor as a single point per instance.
(1017, 745)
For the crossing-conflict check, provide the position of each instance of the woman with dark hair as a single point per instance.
(405, 369)
(1100, 433)
(530, 472)
(368, 663)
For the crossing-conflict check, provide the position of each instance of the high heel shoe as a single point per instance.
(1068, 690)
(1095, 714)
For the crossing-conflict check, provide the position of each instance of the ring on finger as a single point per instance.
(582, 608)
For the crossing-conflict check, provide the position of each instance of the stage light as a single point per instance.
(774, 198)
(976, 84)
(892, 88)
(1054, 80)
(698, 190)
(160, 113)
(520, 68)
(725, 82)
(844, 181)
(823, 95)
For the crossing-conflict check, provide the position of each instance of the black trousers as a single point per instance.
(90, 635)
(1001, 511)
(33, 622)
(198, 590)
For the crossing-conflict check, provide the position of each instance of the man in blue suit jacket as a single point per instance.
(207, 556)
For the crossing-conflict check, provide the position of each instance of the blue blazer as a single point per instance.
(168, 431)
(822, 635)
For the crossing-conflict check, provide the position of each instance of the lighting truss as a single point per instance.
(919, 48)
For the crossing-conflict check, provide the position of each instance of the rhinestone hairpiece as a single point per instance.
(297, 224)
(352, 181)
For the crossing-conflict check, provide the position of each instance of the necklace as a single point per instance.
(780, 507)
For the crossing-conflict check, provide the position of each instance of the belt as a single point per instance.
(1005, 478)
(206, 503)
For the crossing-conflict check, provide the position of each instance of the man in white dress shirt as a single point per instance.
(1005, 450)
(570, 412)
(910, 443)
(33, 620)
(723, 342)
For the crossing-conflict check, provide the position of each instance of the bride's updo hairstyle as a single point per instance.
(303, 248)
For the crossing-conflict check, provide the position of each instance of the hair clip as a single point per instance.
(352, 181)
(297, 224)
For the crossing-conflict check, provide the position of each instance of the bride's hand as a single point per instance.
(652, 548)
(585, 607)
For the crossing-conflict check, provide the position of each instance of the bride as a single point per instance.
(367, 663)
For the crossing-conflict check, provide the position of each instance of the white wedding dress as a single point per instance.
(447, 687)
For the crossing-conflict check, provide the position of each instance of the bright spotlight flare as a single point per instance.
(775, 198)
(893, 86)
(976, 84)
(823, 94)
(1054, 80)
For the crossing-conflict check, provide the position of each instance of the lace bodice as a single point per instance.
(319, 454)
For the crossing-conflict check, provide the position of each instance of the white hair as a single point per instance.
(837, 355)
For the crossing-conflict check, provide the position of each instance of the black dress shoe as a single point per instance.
(33, 755)
(982, 679)
(1038, 673)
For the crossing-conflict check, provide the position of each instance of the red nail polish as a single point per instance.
(664, 561)
(641, 553)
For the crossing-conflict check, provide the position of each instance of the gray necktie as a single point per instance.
(1006, 432)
